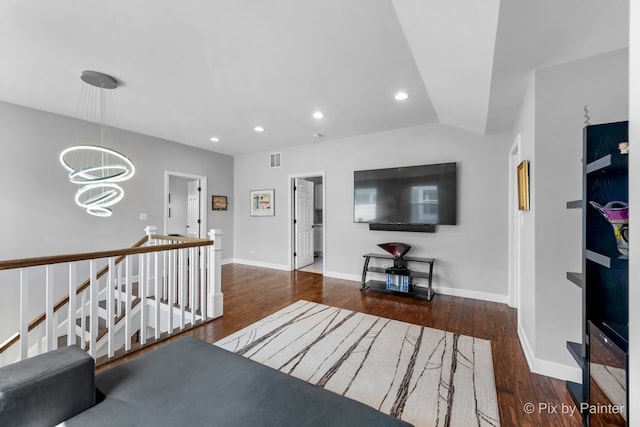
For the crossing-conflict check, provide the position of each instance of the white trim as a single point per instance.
(545, 367)
(514, 217)
(203, 200)
(262, 264)
(466, 293)
(343, 276)
(290, 179)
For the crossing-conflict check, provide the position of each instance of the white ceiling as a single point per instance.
(195, 69)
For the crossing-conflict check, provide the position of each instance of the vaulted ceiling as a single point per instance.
(197, 69)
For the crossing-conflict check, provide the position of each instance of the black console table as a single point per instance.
(414, 291)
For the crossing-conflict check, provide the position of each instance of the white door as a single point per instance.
(193, 209)
(303, 222)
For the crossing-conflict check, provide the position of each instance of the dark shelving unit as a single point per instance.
(604, 276)
(412, 290)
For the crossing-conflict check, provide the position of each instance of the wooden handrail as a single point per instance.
(58, 259)
(137, 248)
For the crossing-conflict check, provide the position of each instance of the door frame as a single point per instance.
(515, 224)
(291, 245)
(203, 199)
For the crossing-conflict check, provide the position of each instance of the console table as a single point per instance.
(414, 291)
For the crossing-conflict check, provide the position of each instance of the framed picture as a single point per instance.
(262, 203)
(219, 203)
(523, 185)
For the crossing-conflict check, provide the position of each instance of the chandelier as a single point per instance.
(97, 168)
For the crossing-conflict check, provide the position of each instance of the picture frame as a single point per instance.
(262, 202)
(219, 203)
(523, 185)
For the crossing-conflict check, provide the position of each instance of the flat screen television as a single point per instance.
(424, 194)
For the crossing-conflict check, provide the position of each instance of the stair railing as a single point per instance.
(160, 286)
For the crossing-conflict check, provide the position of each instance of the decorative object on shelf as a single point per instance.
(262, 202)
(219, 203)
(617, 213)
(397, 250)
(523, 185)
(96, 167)
(623, 147)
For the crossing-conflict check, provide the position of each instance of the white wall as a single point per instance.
(526, 303)
(470, 256)
(555, 146)
(39, 216)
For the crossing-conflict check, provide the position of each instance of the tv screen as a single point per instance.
(407, 195)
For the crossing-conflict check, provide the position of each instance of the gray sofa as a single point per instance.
(185, 382)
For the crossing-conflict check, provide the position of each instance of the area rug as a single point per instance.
(425, 376)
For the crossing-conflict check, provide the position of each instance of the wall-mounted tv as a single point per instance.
(424, 194)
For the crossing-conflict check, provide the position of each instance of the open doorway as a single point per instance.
(185, 207)
(307, 225)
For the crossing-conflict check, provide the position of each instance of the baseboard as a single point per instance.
(343, 276)
(261, 264)
(546, 367)
(466, 293)
(226, 261)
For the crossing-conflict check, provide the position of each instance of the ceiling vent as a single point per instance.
(274, 160)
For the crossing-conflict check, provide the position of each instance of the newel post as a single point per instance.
(150, 230)
(214, 288)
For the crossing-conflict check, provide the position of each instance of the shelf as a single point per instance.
(576, 351)
(574, 204)
(416, 291)
(406, 258)
(617, 162)
(604, 260)
(575, 390)
(412, 273)
(576, 278)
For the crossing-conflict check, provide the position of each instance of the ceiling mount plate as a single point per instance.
(97, 79)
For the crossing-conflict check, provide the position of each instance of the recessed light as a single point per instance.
(318, 115)
(258, 129)
(215, 139)
(401, 96)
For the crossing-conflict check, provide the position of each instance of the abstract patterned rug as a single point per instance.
(425, 376)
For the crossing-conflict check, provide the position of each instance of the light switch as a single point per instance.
(144, 217)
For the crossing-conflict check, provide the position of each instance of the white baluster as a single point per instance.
(182, 285)
(193, 269)
(93, 307)
(49, 302)
(170, 286)
(203, 251)
(24, 313)
(127, 306)
(71, 317)
(83, 319)
(39, 336)
(156, 283)
(165, 275)
(214, 305)
(119, 290)
(142, 294)
(110, 307)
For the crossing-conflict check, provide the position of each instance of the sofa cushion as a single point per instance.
(190, 382)
(47, 389)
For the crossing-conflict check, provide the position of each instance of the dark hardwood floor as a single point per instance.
(251, 293)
